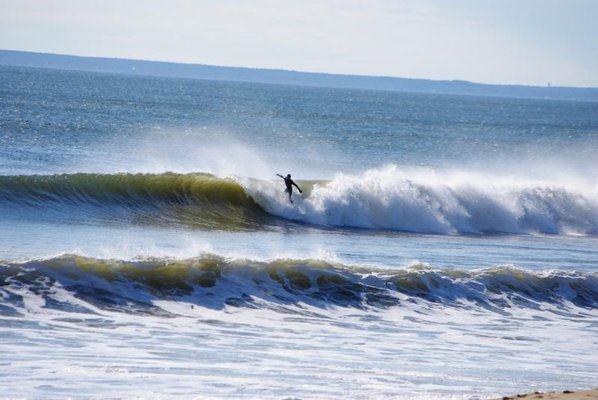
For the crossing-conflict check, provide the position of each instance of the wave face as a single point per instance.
(389, 198)
(199, 200)
(215, 282)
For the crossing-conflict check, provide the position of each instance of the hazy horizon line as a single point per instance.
(296, 71)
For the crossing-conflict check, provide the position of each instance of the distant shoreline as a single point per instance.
(286, 77)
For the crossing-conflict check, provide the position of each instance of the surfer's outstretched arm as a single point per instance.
(298, 188)
(280, 176)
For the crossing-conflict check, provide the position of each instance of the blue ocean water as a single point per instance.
(443, 246)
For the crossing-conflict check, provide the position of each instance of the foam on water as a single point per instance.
(426, 201)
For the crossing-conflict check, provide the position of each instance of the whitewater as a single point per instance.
(443, 246)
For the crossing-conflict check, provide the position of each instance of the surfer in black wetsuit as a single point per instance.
(289, 183)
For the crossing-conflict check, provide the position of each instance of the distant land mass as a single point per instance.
(286, 77)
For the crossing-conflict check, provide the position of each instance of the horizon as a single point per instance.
(124, 59)
(530, 43)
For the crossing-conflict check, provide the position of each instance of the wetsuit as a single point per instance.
(289, 184)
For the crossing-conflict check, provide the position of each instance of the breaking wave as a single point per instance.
(389, 199)
(198, 200)
(215, 282)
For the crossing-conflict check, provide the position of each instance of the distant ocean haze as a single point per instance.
(239, 74)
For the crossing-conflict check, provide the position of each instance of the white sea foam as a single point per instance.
(419, 200)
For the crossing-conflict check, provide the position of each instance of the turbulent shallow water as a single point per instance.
(443, 246)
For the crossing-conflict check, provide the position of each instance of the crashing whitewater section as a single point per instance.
(429, 202)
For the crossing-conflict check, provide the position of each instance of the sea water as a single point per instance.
(443, 246)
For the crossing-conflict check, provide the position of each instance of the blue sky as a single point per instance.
(529, 42)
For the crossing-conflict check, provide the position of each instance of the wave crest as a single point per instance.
(198, 200)
(389, 198)
(127, 189)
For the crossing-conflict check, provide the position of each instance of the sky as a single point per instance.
(529, 42)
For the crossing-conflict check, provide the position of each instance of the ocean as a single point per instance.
(443, 246)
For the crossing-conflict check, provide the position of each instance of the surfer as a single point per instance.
(289, 183)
